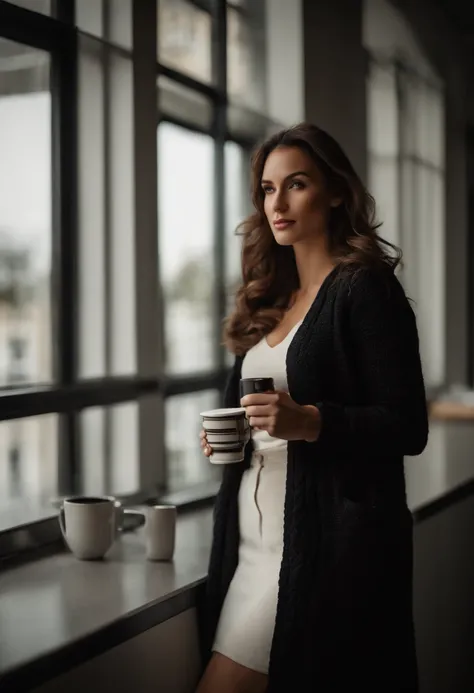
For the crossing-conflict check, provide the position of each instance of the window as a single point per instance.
(17, 366)
(109, 442)
(406, 174)
(25, 209)
(17, 348)
(186, 246)
(246, 55)
(110, 20)
(42, 6)
(184, 38)
(28, 459)
(15, 473)
(124, 173)
(423, 189)
(237, 206)
(185, 105)
(207, 125)
(106, 206)
(183, 424)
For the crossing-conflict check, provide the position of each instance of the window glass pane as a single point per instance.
(383, 185)
(429, 211)
(429, 125)
(25, 215)
(186, 224)
(92, 210)
(115, 27)
(28, 459)
(92, 436)
(181, 103)
(121, 253)
(42, 6)
(120, 23)
(106, 213)
(184, 38)
(109, 449)
(89, 16)
(382, 111)
(236, 208)
(185, 461)
(409, 236)
(245, 59)
(408, 109)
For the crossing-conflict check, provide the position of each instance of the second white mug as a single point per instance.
(160, 532)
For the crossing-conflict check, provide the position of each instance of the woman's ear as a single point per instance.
(336, 202)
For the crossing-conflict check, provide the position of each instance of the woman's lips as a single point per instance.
(283, 224)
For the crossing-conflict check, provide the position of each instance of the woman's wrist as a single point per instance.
(311, 423)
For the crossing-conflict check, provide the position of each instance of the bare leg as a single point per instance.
(223, 675)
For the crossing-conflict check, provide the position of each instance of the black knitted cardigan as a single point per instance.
(344, 616)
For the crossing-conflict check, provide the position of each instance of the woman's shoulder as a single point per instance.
(372, 285)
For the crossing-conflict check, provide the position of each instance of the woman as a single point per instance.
(310, 576)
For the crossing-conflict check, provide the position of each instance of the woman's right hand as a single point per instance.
(206, 448)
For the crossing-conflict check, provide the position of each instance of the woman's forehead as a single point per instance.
(285, 161)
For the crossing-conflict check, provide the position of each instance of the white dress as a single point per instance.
(247, 620)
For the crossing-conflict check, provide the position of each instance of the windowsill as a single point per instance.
(58, 612)
(23, 513)
(29, 529)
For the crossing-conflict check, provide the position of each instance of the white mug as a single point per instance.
(89, 525)
(160, 532)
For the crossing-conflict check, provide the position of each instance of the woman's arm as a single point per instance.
(386, 349)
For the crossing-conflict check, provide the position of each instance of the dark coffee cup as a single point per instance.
(252, 386)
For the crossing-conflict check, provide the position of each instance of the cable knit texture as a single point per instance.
(344, 617)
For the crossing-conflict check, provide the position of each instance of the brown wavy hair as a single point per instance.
(269, 272)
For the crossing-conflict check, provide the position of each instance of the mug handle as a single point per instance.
(137, 521)
(62, 522)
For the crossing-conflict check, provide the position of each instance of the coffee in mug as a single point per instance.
(251, 386)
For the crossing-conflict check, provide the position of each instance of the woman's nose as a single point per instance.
(280, 203)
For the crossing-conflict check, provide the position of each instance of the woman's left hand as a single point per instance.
(282, 417)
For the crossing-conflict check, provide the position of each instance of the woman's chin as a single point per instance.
(285, 238)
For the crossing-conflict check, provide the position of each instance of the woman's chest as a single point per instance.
(319, 362)
(264, 360)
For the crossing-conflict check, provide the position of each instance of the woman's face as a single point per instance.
(296, 201)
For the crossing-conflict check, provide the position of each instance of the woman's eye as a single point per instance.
(267, 189)
(297, 184)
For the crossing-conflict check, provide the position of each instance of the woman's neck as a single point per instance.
(313, 264)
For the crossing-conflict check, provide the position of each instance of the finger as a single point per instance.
(260, 410)
(259, 398)
(208, 451)
(202, 433)
(260, 422)
(203, 443)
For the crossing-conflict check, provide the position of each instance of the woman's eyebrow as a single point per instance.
(290, 175)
